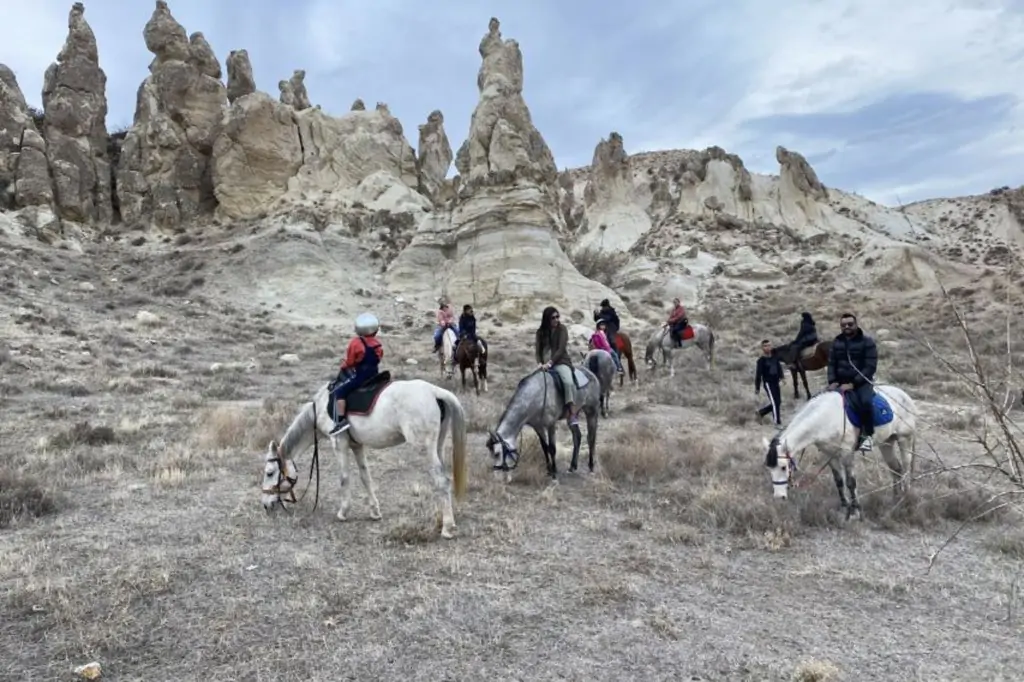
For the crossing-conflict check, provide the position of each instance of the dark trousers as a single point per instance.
(774, 401)
(862, 400)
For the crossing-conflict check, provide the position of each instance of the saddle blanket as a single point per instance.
(882, 411)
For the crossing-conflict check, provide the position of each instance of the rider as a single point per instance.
(599, 339)
(677, 322)
(467, 327)
(611, 318)
(806, 337)
(852, 363)
(445, 318)
(552, 351)
(361, 363)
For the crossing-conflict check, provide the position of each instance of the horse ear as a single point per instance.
(272, 446)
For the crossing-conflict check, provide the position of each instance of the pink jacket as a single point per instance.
(599, 340)
(445, 317)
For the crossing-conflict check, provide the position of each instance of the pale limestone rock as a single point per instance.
(240, 79)
(794, 168)
(298, 89)
(75, 106)
(256, 153)
(287, 93)
(358, 105)
(612, 219)
(434, 154)
(496, 244)
(24, 174)
(164, 170)
(202, 57)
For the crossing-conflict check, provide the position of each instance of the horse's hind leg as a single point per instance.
(359, 453)
(896, 466)
(591, 438)
(796, 386)
(442, 486)
(837, 476)
(803, 377)
(853, 511)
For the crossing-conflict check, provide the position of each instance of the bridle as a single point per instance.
(281, 477)
(789, 470)
(508, 453)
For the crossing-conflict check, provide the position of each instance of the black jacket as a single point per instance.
(610, 317)
(853, 360)
(769, 371)
(808, 334)
(467, 326)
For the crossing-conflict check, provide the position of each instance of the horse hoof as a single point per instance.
(375, 515)
(341, 516)
(447, 534)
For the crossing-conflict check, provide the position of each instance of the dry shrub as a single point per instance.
(23, 497)
(815, 671)
(708, 391)
(232, 426)
(645, 454)
(600, 266)
(83, 433)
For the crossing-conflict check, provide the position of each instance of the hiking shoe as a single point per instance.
(340, 426)
(866, 444)
(574, 419)
(778, 427)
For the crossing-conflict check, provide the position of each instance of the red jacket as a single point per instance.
(677, 314)
(356, 351)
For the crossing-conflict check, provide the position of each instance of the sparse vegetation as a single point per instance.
(600, 266)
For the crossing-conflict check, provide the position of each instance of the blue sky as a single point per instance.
(896, 101)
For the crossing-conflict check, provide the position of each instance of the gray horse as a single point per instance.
(537, 401)
(600, 363)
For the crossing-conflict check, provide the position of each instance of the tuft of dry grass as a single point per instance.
(23, 497)
(816, 671)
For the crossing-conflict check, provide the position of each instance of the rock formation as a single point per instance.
(794, 169)
(433, 154)
(24, 175)
(163, 174)
(502, 137)
(496, 245)
(358, 105)
(612, 221)
(203, 57)
(298, 90)
(75, 108)
(240, 79)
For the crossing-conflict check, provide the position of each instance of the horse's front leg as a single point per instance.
(853, 511)
(591, 438)
(577, 440)
(342, 451)
(837, 476)
(796, 386)
(548, 448)
(803, 377)
(462, 371)
(359, 453)
(553, 470)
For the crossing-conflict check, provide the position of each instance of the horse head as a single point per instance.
(506, 457)
(779, 461)
(279, 477)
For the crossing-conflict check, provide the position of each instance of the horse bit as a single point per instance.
(508, 454)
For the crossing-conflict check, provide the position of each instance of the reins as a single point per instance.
(314, 464)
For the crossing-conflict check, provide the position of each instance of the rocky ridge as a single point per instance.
(504, 233)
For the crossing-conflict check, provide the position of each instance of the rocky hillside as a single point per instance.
(345, 204)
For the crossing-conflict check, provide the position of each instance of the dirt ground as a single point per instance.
(131, 531)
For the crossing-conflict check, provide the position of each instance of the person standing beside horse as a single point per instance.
(852, 363)
(607, 313)
(769, 372)
(445, 318)
(677, 322)
(552, 351)
(361, 363)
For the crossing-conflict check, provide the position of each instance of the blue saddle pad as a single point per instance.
(883, 413)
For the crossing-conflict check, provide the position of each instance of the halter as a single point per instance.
(789, 470)
(508, 453)
(281, 477)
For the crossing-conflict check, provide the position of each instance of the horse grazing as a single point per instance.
(601, 365)
(625, 347)
(473, 356)
(828, 423)
(447, 353)
(812, 362)
(383, 413)
(538, 401)
(694, 335)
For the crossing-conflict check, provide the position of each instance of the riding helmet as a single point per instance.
(367, 324)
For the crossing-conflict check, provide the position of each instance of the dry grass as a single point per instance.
(132, 532)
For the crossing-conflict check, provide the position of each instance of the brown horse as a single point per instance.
(625, 348)
(819, 360)
(472, 356)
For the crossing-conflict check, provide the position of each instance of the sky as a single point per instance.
(895, 101)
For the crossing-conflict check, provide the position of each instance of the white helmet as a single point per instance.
(367, 324)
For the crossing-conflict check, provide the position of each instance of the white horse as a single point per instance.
(600, 363)
(823, 423)
(448, 340)
(702, 337)
(413, 411)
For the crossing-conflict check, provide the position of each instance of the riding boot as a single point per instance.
(341, 422)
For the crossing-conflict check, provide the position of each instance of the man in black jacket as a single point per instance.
(611, 320)
(852, 364)
(769, 371)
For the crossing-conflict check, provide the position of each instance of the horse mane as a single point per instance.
(511, 400)
(300, 428)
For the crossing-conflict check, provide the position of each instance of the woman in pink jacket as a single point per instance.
(599, 340)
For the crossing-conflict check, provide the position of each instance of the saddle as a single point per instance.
(685, 335)
(880, 406)
(362, 400)
(808, 352)
(579, 379)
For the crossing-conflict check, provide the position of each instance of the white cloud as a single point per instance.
(842, 81)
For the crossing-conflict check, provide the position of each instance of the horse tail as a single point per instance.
(458, 418)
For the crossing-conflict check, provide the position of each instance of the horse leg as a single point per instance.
(342, 450)
(796, 386)
(888, 449)
(359, 454)
(853, 511)
(462, 371)
(803, 377)
(577, 441)
(591, 438)
(476, 380)
(837, 476)
(548, 443)
(442, 489)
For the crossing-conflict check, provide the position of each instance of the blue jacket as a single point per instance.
(467, 326)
